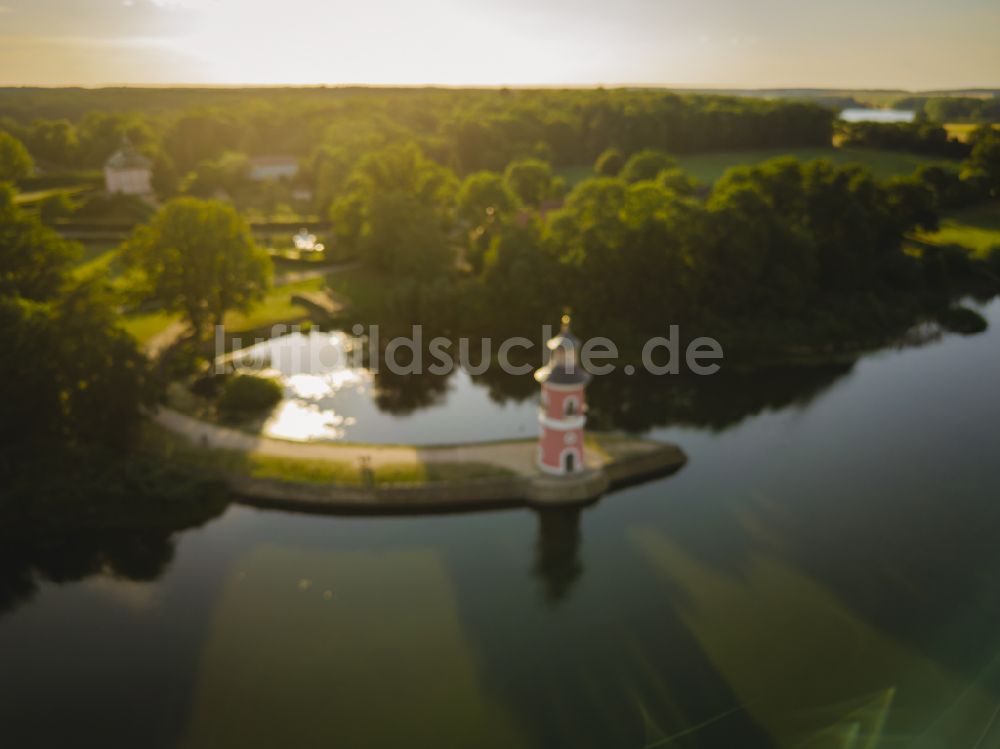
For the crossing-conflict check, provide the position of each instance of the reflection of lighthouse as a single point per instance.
(563, 409)
(557, 552)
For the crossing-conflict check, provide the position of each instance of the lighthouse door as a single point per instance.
(570, 461)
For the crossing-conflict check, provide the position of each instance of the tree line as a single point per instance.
(467, 130)
(785, 252)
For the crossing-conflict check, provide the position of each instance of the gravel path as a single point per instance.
(515, 456)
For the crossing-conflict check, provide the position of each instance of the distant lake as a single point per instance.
(863, 114)
(823, 573)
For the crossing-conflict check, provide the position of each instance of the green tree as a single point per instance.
(396, 211)
(984, 161)
(483, 197)
(404, 238)
(198, 258)
(53, 141)
(532, 181)
(521, 277)
(75, 379)
(484, 201)
(677, 180)
(646, 164)
(15, 162)
(609, 163)
(56, 206)
(33, 258)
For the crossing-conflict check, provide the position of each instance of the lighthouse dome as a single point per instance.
(564, 367)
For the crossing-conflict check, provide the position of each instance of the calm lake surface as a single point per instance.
(864, 114)
(825, 572)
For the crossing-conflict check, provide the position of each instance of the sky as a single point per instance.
(906, 44)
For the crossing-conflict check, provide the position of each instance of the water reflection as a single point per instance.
(30, 557)
(557, 551)
(330, 396)
(823, 573)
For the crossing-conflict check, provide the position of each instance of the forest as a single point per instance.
(475, 212)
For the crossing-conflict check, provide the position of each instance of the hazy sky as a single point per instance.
(749, 43)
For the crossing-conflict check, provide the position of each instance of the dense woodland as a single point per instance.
(454, 203)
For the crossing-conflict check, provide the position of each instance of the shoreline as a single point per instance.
(612, 462)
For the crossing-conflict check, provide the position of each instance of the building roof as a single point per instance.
(560, 375)
(564, 369)
(127, 157)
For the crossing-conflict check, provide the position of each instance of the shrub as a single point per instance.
(962, 320)
(244, 394)
(209, 385)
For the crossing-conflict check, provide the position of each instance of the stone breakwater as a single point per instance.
(642, 461)
(612, 461)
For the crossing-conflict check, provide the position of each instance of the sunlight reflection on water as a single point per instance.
(314, 367)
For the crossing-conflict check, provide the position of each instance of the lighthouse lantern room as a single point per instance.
(563, 410)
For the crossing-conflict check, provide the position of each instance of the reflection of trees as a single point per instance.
(505, 387)
(73, 556)
(642, 401)
(125, 529)
(632, 403)
(403, 394)
(557, 551)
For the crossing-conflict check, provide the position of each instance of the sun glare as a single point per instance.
(304, 42)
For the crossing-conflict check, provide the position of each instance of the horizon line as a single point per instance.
(501, 86)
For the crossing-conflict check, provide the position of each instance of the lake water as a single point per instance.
(864, 114)
(825, 572)
(330, 398)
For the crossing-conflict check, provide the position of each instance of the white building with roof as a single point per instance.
(128, 172)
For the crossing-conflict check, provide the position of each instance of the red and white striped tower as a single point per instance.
(563, 411)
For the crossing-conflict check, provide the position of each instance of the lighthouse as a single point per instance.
(563, 412)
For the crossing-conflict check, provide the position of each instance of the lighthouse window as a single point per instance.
(570, 406)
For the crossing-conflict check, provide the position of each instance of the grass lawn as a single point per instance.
(145, 325)
(708, 167)
(35, 196)
(277, 307)
(977, 229)
(347, 473)
(96, 258)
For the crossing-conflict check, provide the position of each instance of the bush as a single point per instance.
(962, 320)
(245, 394)
(209, 386)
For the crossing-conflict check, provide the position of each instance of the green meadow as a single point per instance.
(976, 228)
(708, 167)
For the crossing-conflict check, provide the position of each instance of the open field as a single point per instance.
(708, 167)
(977, 229)
(962, 130)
